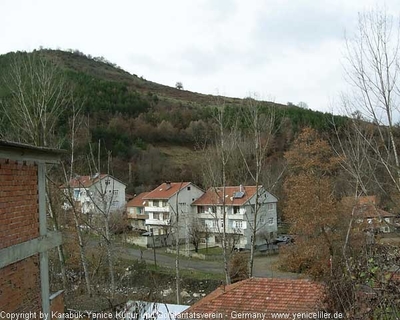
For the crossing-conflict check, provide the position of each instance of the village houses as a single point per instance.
(166, 203)
(100, 193)
(156, 212)
(135, 211)
(239, 205)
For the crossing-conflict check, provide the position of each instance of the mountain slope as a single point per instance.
(154, 127)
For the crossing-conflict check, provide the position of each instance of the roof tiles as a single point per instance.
(262, 295)
(138, 201)
(84, 181)
(214, 196)
(166, 190)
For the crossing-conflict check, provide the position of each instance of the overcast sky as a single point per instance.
(280, 50)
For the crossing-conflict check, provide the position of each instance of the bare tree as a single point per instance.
(175, 225)
(372, 69)
(369, 155)
(75, 123)
(254, 148)
(215, 173)
(196, 232)
(39, 94)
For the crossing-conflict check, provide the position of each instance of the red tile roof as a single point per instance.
(87, 181)
(261, 295)
(213, 196)
(166, 190)
(84, 181)
(366, 207)
(138, 201)
(370, 211)
(367, 200)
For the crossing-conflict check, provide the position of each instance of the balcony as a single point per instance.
(206, 215)
(156, 222)
(156, 209)
(236, 216)
(137, 216)
(228, 230)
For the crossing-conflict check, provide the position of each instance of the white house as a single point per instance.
(239, 203)
(135, 211)
(167, 202)
(100, 193)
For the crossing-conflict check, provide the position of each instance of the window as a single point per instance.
(107, 182)
(270, 206)
(155, 216)
(270, 221)
(238, 224)
(200, 209)
(188, 188)
(115, 203)
(222, 223)
(236, 210)
(115, 192)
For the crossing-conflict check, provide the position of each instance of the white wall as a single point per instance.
(113, 194)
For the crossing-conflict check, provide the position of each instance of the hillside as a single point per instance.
(154, 127)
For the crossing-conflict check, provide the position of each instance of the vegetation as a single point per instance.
(150, 133)
(136, 119)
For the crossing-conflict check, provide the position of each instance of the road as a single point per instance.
(264, 266)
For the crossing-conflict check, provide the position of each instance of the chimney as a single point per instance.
(241, 189)
(168, 185)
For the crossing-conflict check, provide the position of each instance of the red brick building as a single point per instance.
(24, 238)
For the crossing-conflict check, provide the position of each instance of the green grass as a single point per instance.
(211, 251)
(184, 273)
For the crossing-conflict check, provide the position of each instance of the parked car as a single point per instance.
(283, 239)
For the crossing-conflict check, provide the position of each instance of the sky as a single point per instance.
(277, 50)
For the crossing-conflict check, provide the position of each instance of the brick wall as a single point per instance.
(57, 303)
(20, 286)
(19, 222)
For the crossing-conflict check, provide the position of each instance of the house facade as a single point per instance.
(369, 217)
(168, 208)
(239, 203)
(100, 193)
(135, 212)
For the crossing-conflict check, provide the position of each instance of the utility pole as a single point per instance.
(154, 247)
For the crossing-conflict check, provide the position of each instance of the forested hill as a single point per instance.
(154, 127)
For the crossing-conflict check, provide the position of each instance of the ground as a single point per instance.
(140, 279)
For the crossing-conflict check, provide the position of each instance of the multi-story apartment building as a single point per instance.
(100, 193)
(238, 202)
(169, 203)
